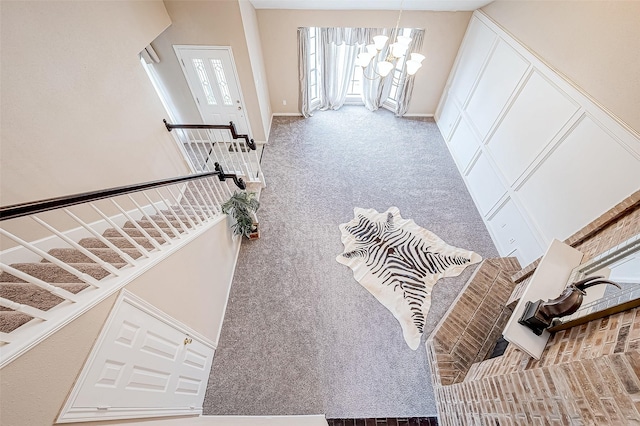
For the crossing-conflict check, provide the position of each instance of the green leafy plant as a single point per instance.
(241, 207)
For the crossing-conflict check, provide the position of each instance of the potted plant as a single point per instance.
(242, 206)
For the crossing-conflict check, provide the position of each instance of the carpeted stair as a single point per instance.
(17, 290)
(195, 207)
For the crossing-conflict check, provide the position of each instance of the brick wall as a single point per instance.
(588, 374)
(474, 322)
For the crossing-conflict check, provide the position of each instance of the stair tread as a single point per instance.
(135, 232)
(157, 221)
(120, 242)
(51, 273)
(11, 320)
(175, 223)
(32, 295)
(17, 290)
(71, 255)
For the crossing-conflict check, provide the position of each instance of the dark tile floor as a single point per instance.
(407, 421)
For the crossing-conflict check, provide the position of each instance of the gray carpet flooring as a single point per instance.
(300, 335)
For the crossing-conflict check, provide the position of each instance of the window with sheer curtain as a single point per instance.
(330, 78)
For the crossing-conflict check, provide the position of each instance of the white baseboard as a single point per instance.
(299, 420)
(286, 114)
(419, 115)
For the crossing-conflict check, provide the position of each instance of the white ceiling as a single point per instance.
(440, 5)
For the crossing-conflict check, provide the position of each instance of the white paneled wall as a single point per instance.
(540, 158)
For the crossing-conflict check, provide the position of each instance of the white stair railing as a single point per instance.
(75, 269)
(205, 144)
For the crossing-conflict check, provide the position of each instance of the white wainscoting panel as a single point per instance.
(448, 118)
(537, 115)
(477, 45)
(144, 364)
(589, 163)
(463, 145)
(484, 184)
(512, 233)
(497, 84)
(540, 158)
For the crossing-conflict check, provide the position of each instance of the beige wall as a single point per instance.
(278, 29)
(596, 44)
(78, 111)
(190, 285)
(206, 23)
(252, 34)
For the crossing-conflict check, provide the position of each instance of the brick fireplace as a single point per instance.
(588, 374)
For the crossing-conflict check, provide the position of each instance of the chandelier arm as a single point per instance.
(375, 74)
(399, 16)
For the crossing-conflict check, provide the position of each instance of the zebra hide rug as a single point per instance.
(399, 262)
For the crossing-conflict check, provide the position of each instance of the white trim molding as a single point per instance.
(540, 157)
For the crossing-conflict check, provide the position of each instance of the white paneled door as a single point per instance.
(144, 364)
(211, 74)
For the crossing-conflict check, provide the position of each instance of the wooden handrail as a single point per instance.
(231, 127)
(33, 207)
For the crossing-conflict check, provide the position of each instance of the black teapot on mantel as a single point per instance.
(539, 315)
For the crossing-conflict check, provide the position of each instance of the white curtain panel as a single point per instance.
(339, 48)
(303, 71)
(338, 64)
(374, 89)
(405, 90)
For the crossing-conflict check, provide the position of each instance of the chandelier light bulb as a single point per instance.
(413, 66)
(417, 57)
(379, 41)
(398, 49)
(363, 59)
(396, 53)
(404, 40)
(384, 68)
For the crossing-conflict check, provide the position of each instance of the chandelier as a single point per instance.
(395, 51)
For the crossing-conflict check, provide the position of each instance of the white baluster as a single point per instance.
(163, 234)
(212, 194)
(174, 231)
(175, 216)
(191, 222)
(186, 199)
(106, 265)
(126, 236)
(206, 188)
(122, 232)
(130, 260)
(215, 183)
(54, 260)
(60, 292)
(25, 309)
(195, 185)
(224, 157)
(183, 145)
(203, 163)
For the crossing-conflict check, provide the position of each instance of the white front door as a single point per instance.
(212, 78)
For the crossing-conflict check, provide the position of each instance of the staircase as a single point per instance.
(40, 296)
(20, 291)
